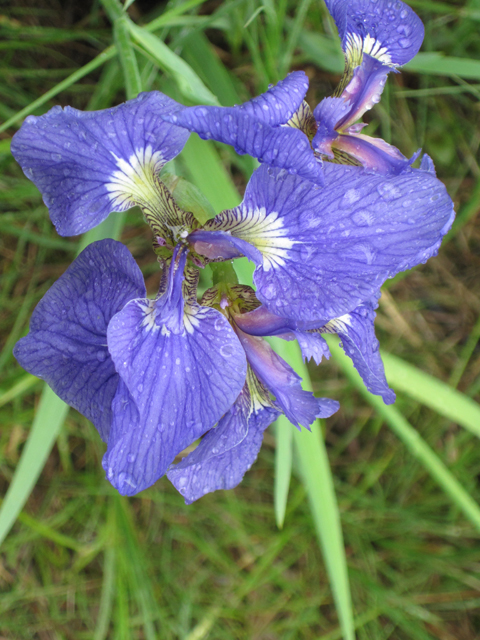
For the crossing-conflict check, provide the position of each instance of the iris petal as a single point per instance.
(225, 453)
(255, 127)
(325, 251)
(67, 343)
(182, 378)
(301, 407)
(359, 342)
(389, 31)
(88, 164)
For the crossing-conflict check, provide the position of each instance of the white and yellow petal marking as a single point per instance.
(267, 233)
(338, 325)
(356, 46)
(135, 181)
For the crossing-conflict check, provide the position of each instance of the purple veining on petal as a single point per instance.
(182, 375)
(67, 343)
(80, 159)
(225, 453)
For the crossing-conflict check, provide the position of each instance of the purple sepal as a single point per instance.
(182, 376)
(281, 147)
(301, 407)
(278, 104)
(67, 343)
(71, 156)
(388, 29)
(359, 342)
(337, 245)
(225, 453)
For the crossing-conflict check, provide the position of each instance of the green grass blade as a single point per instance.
(48, 421)
(208, 173)
(187, 80)
(433, 393)
(97, 62)
(283, 467)
(126, 53)
(317, 477)
(436, 63)
(411, 439)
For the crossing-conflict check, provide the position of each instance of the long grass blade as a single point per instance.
(433, 393)
(283, 467)
(317, 477)
(411, 439)
(48, 421)
(187, 80)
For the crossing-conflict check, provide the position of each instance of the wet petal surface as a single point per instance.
(225, 453)
(87, 164)
(67, 343)
(182, 378)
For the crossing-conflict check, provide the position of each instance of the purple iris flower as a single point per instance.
(87, 164)
(278, 127)
(321, 254)
(155, 375)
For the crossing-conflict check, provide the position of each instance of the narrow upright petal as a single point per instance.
(337, 135)
(389, 31)
(225, 453)
(183, 368)
(325, 251)
(67, 343)
(87, 164)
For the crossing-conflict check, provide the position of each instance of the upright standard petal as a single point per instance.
(225, 453)
(87, 164)
(389, 31)
(338, 136)
(322, 252)
(255, 128)
(67, 343)
(183, 367)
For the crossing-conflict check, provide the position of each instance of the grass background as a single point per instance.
(81, 562)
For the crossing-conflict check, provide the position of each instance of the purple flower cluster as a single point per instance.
(327, 218)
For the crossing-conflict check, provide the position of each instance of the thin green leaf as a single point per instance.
(411, 438)
(97, 62)
(48, 421)
(436, 63)
(187, 80)
(433, 393)
(317, 477)
(128, 60)
(24, 384)
(283, 467)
